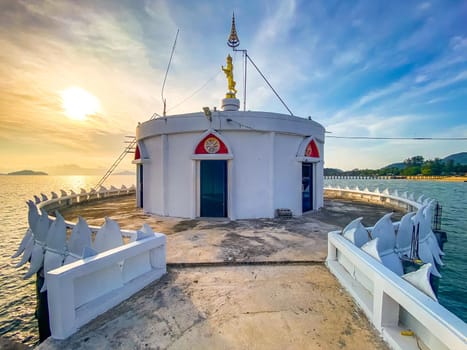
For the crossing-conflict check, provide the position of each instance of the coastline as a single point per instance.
(452, 179)
(434, 178)
(412, 178)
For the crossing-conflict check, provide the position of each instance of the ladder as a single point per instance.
(128, 149)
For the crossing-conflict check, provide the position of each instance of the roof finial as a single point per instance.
(233, 38)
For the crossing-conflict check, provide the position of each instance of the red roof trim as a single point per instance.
(312, 150)
(137, 153)
(211, 144)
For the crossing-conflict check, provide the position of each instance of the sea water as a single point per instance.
(452, 196)
(17, 296)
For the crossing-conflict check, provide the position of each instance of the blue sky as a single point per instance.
(360, 68)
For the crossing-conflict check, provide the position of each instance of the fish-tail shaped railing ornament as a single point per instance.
(400, 246)
(80, 239)
(40, 230)
(44, 244)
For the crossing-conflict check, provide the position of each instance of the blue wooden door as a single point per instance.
(307, 187)
(213, 188)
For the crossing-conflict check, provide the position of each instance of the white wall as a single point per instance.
(179, 184)
(153, 177)
(287, 174)
(251, 186)
(264, 173)
(319, 177)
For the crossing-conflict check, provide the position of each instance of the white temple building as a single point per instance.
(229, 163)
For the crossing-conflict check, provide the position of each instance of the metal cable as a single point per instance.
(398, 138)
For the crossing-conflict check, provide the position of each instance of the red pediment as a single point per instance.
(211, 144)
(312, 150)
(137, 153)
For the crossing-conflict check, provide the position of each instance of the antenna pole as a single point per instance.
(244, 81)
(167, 72)
(245, 54)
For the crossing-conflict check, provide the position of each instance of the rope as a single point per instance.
(398, 138)
(262, 75)
(167, 71)
(195, 92)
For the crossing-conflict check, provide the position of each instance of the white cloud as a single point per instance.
(435, 85)
(119, 52)
(349, 57)
(421, 78)
(458, 43)
(424, 6)
(278, 23)
(374, 125)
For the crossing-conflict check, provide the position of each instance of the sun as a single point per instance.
(79, 103)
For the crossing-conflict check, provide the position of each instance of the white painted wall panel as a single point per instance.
(288, 174)
(152, 176)
(250, 183)
(179, 185)
(319, 177)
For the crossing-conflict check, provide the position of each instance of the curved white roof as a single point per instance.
(231, 120)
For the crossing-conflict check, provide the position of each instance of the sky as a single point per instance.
(359, 68)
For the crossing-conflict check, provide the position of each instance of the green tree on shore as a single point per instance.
(413, 166)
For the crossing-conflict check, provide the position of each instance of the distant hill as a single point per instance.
(399, 166)
(27, 172)
(458, 158)
(74, 169)
(332, 172)
(125, 172)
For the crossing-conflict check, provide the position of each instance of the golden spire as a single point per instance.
(233, 38)
(228, 70)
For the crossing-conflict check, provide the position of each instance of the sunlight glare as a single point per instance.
(79, 103)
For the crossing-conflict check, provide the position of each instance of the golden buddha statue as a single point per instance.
(228, 70)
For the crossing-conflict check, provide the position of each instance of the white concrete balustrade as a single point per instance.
(391, 303)
(80, 291)
(66, 200)
(366, 261)
(85, 277)
(404, 201)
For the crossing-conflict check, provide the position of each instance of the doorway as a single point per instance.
(307, 187)
(213, 188)
(140, 183)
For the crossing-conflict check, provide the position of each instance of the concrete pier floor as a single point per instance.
(246, 284)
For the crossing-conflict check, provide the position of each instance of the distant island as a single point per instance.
(126, 172)
(27, 172)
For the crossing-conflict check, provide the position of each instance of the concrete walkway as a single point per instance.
(220, 240)
(287, 300)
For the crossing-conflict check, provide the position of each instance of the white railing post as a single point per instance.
(61, 306)
(332, 251)
(385, 309)
(158, 258)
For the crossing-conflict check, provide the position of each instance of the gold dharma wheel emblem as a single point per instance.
(212, 145)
